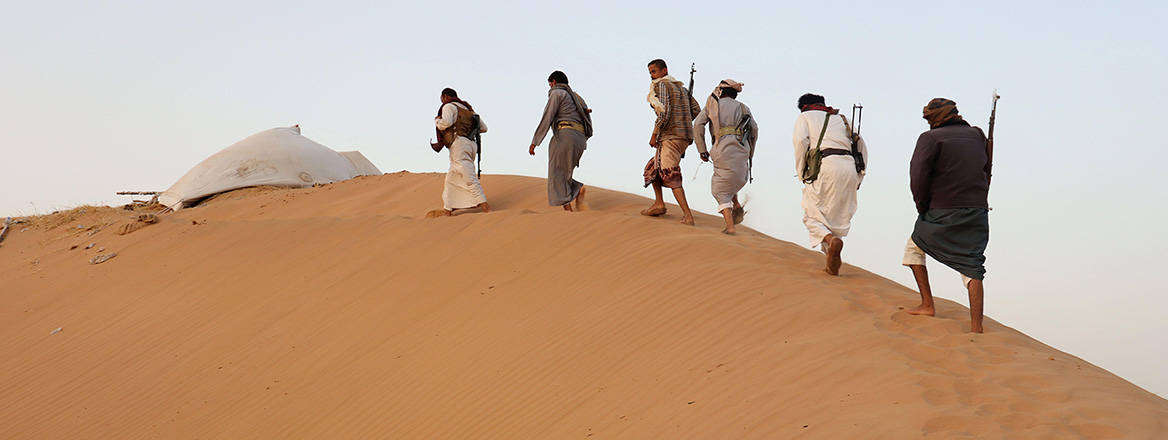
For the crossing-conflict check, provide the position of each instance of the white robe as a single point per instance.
(462, 189)
(830, 202)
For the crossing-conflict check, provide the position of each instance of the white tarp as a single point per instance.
(279, 156)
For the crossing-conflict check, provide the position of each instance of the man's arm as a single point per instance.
(699, 129)
(549, 117)
(920, 171)
(694, 106)
(800, 137)
(666, 103)
(449, 114)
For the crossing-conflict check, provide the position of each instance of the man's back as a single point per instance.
(948, 168)
(680, 111)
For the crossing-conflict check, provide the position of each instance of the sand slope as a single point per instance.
(339, 312)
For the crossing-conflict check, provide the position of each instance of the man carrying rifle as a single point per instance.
(672, 135)
(457, 125)
(567, 115)
(734, 133)
(949, 178)
(829, 160)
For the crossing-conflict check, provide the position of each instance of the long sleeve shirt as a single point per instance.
(948, 168)
(559, 108)
(680, 109)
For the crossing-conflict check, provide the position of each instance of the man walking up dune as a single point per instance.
(672, 134)
(949, 178)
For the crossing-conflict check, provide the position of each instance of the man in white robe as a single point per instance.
(829, 202)
(455, 123)
(734, 133)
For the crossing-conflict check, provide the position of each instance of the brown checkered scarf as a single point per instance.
(941, 111)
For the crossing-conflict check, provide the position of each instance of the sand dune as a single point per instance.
(339, 312)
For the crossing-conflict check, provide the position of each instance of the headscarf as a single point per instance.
(712, 105)
(820, 107)
(940, 111)
(654, 101)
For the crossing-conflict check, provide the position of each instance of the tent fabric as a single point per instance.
(279, 156)
(364, 166)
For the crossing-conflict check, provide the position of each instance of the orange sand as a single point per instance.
(339, 312)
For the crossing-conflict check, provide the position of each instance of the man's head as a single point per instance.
(657, 68)
(449, 95)
(729, 88)
(557, 77)
(939, 111)
(809, 99)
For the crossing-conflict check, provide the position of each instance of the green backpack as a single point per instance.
(814, 158)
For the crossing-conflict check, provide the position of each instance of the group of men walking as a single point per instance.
(949, 170)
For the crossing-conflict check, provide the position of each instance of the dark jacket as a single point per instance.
(948, 168)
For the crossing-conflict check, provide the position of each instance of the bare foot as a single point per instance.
(654, 211)
(738, 214)
(580, 205)
(485, 207)
(568, 206)
(834, 261)
(435, 213)
(976, 328)
(922, 310)
(729, 231)
(687, 220)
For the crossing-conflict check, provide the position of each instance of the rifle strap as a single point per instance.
(823, 130)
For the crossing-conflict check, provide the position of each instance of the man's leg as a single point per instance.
(922, 277)
(728, 214)
(658, 206)
(914, 258)
(976, 298)
(833, 247)
(739, 213)
(580, 206)
(686, 215)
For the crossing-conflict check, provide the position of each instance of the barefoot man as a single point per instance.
(567, 115)
(734, 134)
(457, 123)
(950, 185)
(672, 134)
(829, 196)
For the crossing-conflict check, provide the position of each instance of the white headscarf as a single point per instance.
(712, 105)
(654, 101)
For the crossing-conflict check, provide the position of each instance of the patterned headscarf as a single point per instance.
(941, 111)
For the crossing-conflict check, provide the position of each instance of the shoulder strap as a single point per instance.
(823, 131)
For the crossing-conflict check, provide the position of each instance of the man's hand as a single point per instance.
(705, 157)
(531, 150)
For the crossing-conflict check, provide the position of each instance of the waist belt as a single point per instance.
(834, 152)
(729, 130)
(570, 124)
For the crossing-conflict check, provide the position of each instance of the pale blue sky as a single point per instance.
(117, 96)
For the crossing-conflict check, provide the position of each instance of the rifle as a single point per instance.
(691, 72)
(859, 158)
(990, 139)
(476, 135)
